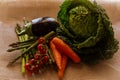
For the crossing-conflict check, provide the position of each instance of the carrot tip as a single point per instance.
(77, 61)
(60, 75)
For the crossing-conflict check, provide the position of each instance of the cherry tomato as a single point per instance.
(36, 56)
(40, 47)
(27, 66)
(46, 59)
(41, 40)
(32, 62)
(43, 51)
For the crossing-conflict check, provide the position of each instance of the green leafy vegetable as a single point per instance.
(86, 27)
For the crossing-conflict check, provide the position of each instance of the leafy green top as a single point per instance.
(87, 28)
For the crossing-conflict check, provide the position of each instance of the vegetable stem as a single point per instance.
(47, 36)
(23, 65)
(51, 55)
(18, 47)
(24, 52)
(21, 39)
(20, 43)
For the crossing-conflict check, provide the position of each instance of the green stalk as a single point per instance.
(27, 58)
(18, 47)
(25, 21)
(50, 55)
(47, 36)
(20, 43)
(22, 39)
(23, 65)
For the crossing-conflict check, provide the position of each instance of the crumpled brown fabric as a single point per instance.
(13, 11)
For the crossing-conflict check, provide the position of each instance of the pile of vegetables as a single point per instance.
(83, 32)
(87, 29)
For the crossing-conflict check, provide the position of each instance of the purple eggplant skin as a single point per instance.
(42, 26)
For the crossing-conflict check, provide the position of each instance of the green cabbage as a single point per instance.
(86, 27)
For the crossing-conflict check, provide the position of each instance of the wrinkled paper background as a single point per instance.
(13, 11)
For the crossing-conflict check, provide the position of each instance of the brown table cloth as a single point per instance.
(13, 11)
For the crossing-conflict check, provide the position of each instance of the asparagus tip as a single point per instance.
(9, 64)
(9, 50)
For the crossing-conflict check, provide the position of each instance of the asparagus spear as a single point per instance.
(46, 37)
(18, 47)
(20, 43)
(21, 39)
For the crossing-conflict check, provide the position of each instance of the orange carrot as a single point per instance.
(66, 49)
(64, 63)
(56, 54)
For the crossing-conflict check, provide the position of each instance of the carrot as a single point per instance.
(56, 54)
(64, 63)
(66, 49)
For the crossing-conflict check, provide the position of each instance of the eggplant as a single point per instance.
(40, 26)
